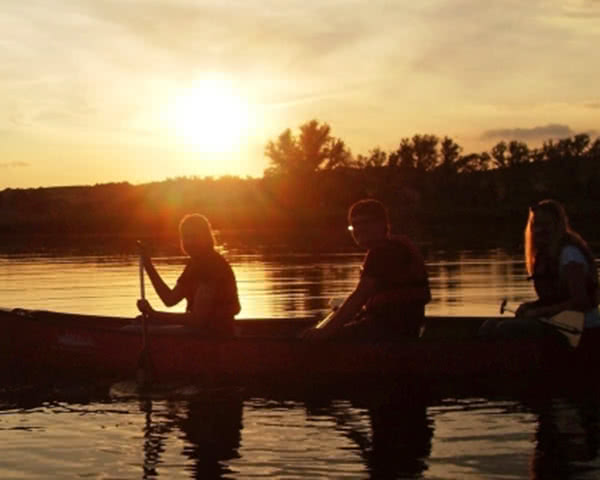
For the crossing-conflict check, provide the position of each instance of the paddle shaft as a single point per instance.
(144, 371)
(142, 288)
(143, 297)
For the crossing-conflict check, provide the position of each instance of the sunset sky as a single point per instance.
(95, 91)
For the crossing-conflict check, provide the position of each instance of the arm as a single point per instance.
(168, 296)
(197, 317)
(347, 311)
(164, 317)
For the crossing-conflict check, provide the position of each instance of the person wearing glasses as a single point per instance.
(389, 299)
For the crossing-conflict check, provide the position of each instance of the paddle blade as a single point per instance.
(145, 369)
(568, 323)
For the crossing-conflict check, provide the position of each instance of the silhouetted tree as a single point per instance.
(313, 149)
(518, 153)
(449, 155)
(284, 154)
(498, 155)
(425, 152)
(338, 155)
(473, 162)
(593, 152)
(419, 152)
(377, 158)
(577, 146)
(403, 157)
(312, 178)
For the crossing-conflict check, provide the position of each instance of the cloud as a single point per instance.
(552, 130)
(581, 9)
(505, 51)
(89, 68)
(231, 34)
(14, 164)
(75, 62)
(541, 133)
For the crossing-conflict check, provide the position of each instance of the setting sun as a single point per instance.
(210, 117)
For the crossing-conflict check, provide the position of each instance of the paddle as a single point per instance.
(569, 323)
(145, 369)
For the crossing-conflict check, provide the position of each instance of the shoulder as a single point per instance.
(212, 264)
(405, 247)
(219, 263)
(397, 252)
(189, 271)
(402, 241)
(571, 254)
(396, 246)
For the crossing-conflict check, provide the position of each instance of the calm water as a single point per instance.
(92, 431)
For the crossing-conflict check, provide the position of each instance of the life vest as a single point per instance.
(411, 286)
(551, 287)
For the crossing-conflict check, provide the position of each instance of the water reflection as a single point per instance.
(381, 433)
(395, 441)
(212, 431)
(386, 434)
(209, 427)
(154, 438)
(567, 438)
(401, 440)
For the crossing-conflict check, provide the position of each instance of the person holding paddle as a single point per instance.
(389, 300)
(563, 271)
(207, 283)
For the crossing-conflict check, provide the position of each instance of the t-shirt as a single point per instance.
(214, 271)
(402, 286)
(398, 265)
(572, 254)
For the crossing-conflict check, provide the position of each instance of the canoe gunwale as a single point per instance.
(439, 329)
(66, 342)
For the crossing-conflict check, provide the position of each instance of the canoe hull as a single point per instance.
(47, 344)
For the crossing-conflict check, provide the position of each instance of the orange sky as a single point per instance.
(95, 91)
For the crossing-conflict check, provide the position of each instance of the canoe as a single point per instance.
(43, 344)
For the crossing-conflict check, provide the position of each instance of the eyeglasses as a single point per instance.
(361, 222)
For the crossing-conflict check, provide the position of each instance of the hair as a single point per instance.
(564, 231)
(199, 226)
(368, 207)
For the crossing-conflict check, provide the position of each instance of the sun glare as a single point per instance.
(210, 117)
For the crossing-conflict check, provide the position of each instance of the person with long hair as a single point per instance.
(563, 270)
(207, 283)
(561, 265)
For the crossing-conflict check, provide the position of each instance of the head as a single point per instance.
(368, 222)
(195, 235)
(547, 226)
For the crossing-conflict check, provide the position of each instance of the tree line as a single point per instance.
(315, 148)
(312, 178)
